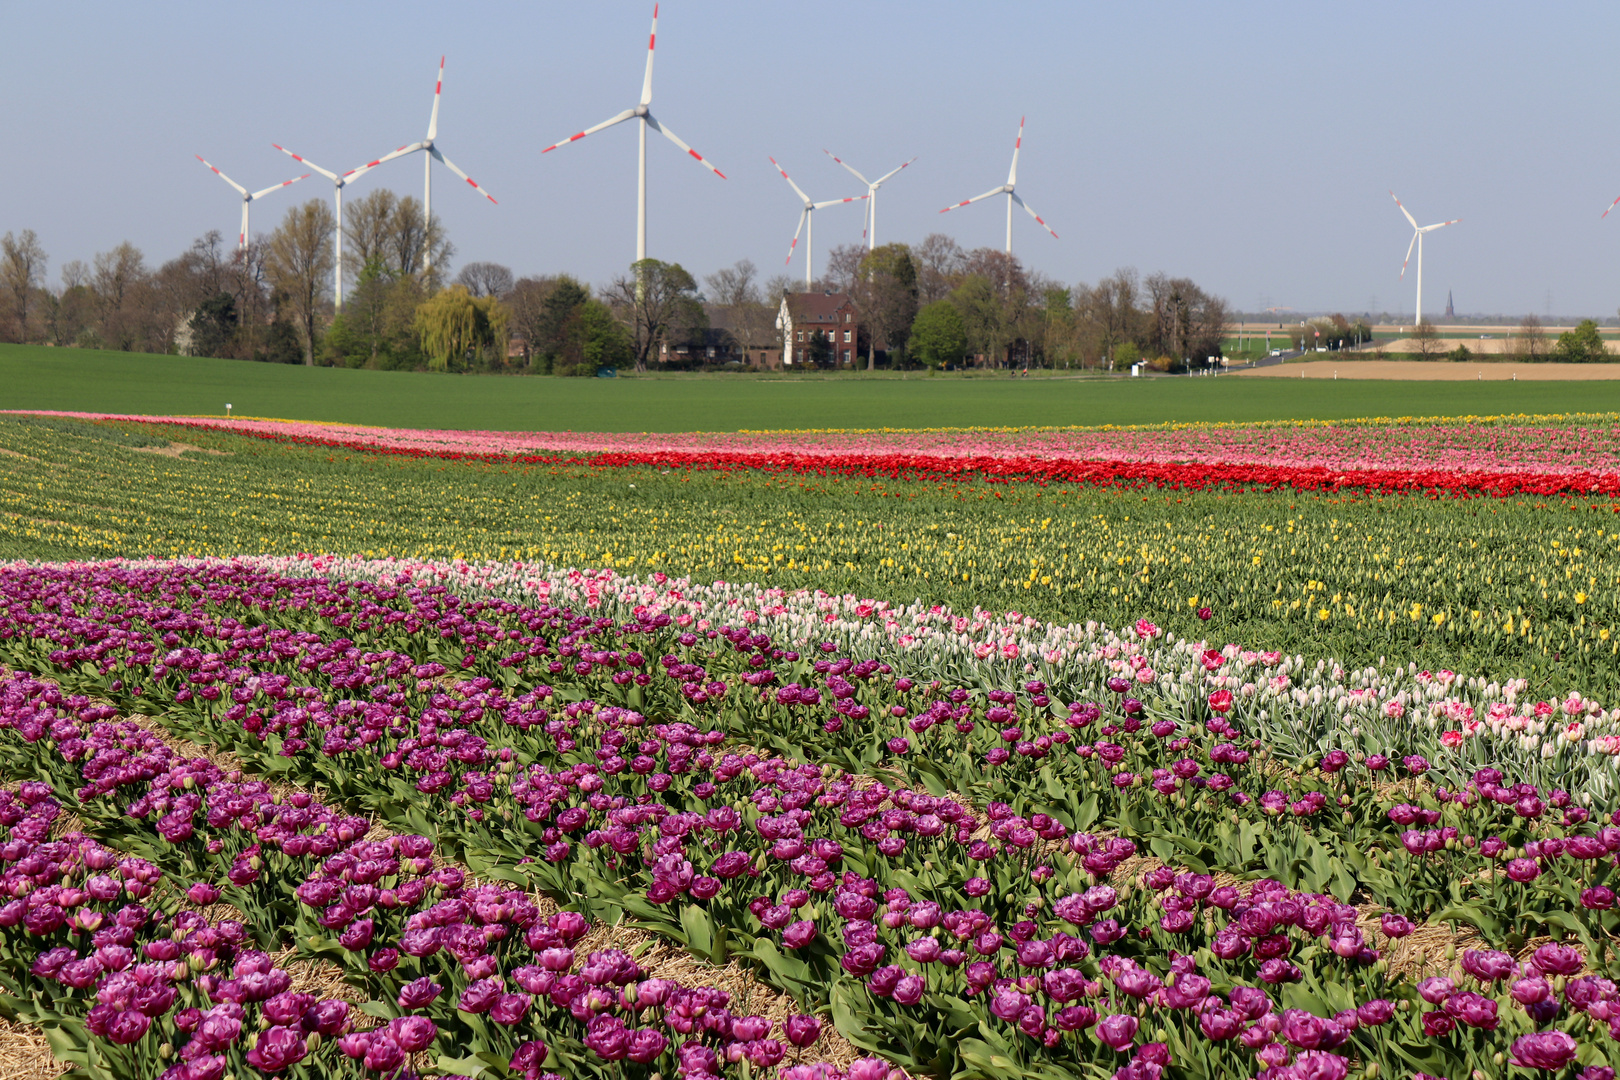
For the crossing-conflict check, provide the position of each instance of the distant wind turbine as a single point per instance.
(338, 184)
(871, 192)
(1417, 238)
(643, 113)
(1009, 190)
(808, 215)
(431, 153)
(248, 197)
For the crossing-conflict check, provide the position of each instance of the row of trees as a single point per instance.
(1530, 343)
(932, 303)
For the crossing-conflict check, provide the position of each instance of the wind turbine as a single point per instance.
(806, 215)
(871, 192)
(248, 197)
(338, 184)
(642, 112)
(431, 152)
(1008, 190)
(1417, 238)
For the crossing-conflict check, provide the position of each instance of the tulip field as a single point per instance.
(1284, 751)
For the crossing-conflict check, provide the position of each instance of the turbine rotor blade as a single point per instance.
(277, 187)
(802, 215)
(329, 175)
(850, 167)
(1441, 225)
(627, 114)
(652, 40)
(433, 121)
(838, 202)
(886, 176)
(447, 163)
(1408, 258)
(1012, 176)
(1611, 207)
(409, 148)
(1409, 217)
(222, 176)
(789, 179)
(1030, 210)
(672, 137)
(976, 198)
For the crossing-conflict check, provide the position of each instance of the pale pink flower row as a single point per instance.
(1501, 446)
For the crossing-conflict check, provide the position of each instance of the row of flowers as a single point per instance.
(1455, 458)
(647, 819)
(452, 975)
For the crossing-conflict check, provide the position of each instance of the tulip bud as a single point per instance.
(313, 1042)
(1496, 1058)
(1372, 1071)
(1451, 951)
(166, 1051)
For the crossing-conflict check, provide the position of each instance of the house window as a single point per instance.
(848, 317)
(847, 337)
(801, 335)
(846, 356)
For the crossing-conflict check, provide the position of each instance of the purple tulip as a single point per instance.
(1557, 960)
(413, 1033)
(419, 993)
(802, 1030)
(1548, 1050)
(277, 1049)
(1117, 1031)
(480, 996)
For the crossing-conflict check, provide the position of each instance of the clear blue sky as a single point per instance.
(1248, 146)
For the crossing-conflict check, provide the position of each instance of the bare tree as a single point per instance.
(737, 307)
(1531, 340)
(843, 267)
(939, 264)
(118, 276)
(300, 264)
(657, 300)
(486, 279)
(390, 232)
(1427, 340)
(22, 271)
(367, 227)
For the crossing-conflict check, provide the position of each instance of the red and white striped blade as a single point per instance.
(301, 161)
(1409, 217)
(976, 198)
(882, 179)
(672, 137)
(789, 179)
(838, 202)
(447, 163)
(409, 148)
(802, 215)
(1030, 210)
(433, 121)
(242, 236)
(1408, 258)
(652, 40)
(850, 167)
(278, 187)
(627, 114)
(1441, 225)
(1611, 207)
(221, 175)
(1012, 175)
(361, 170)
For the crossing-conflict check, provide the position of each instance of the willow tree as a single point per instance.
(454, 325)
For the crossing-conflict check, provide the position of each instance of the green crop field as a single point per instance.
(83, 380)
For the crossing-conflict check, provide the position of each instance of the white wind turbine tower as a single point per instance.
(338, 184)
(871, 192)
(643, 113)
(247, 196)
(1008, 190)
(808, 214)
(1417, 238)
(431, 152)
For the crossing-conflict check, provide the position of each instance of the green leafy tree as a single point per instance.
(212, 325)
(937, 334)
(885, 292)
(1582, 345)
(660, 302)
(456, 326)
(606, 342)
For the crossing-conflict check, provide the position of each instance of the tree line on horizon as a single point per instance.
(932, 303)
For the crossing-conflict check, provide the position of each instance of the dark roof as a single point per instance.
(818, 307)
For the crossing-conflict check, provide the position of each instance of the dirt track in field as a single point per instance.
(1434, 370)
